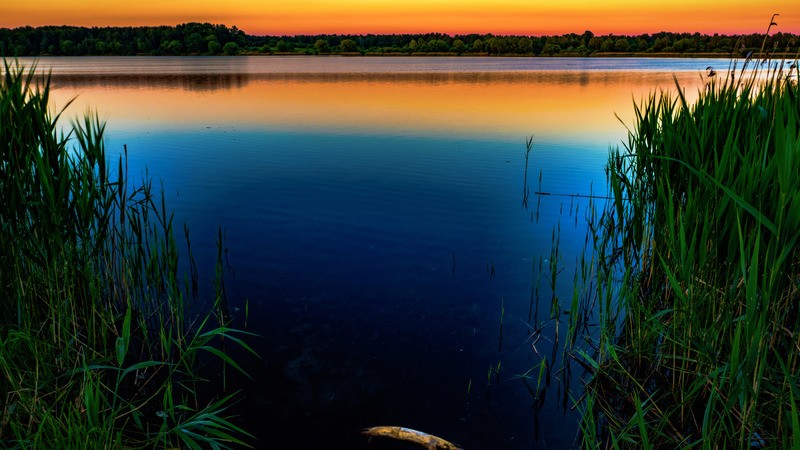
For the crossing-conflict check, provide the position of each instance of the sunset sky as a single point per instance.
(528, 17)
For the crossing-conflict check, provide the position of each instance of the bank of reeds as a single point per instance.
(97, 347)
(695, 336)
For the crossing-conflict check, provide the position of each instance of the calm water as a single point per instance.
(373, 210)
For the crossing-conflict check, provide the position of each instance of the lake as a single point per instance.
(375, 224)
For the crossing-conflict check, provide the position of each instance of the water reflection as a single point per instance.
(190, 82)
(284, 64)
(215, 81)
(373, 212)
(551, 104)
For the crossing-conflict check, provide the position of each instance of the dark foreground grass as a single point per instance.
(97, 348)
(696, 292)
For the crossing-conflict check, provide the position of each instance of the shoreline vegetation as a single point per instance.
(105, 342)
(201, 39)
(684, 323)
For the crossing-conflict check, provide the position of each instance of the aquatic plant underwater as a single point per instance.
(104, 342)
(684, 316)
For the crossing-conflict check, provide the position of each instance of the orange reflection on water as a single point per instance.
(572, 105)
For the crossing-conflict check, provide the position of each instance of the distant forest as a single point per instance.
(210, 39)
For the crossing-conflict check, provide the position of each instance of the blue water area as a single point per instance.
(376, 270)
(377, 242)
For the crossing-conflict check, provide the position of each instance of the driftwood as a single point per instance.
(429, 441)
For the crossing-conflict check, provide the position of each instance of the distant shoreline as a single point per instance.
(197, 39)
(474, 55)
(426, 55)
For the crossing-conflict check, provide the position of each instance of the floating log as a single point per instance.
(429, 441)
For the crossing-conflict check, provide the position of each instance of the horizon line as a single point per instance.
(394, 33)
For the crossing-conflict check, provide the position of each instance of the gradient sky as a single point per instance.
(528, 17)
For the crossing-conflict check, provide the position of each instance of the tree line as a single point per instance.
(214, 39)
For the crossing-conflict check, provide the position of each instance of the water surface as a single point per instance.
(374, 220)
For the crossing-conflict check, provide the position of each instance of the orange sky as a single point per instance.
(529, 17)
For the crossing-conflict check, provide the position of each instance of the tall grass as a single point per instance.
(97, 346)
(697, 335)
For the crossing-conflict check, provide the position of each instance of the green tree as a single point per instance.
(322, 46)
(282, 46)
(458, 46)
(621, 45)
(551, 49)
(231, 48)
(586, 37)
(173, 47)
(661, 43)
(438, 46)
(685, 45)
(478, 46)
(524, 45)
(497, 45)
(195, 43)
(67, 47)
(214, 47)
(348, 46)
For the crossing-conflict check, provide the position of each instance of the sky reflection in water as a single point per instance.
(374, 222)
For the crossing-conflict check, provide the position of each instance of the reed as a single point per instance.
(690, 333)
(97, 345)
